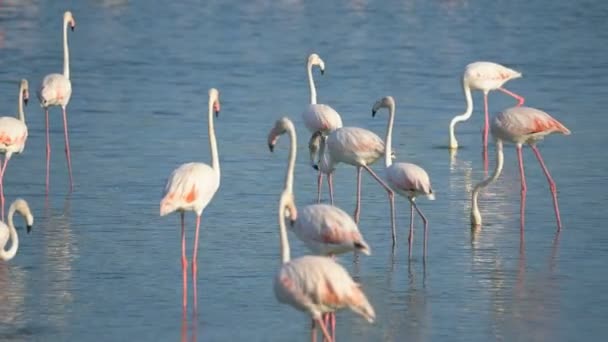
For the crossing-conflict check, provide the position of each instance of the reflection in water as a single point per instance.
(60, 254)
(184, 327)
(12, 300)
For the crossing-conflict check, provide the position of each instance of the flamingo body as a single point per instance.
(321, 118)
(13, 135)
(409, 180)
(56, 90)
(317, 285)
(525, 125)
(354, 146)
(190, 187)
(326, 229)
(487, 76)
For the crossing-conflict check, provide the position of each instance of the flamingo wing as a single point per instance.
(409, 178)
(13, 134)
(320, 117)
(519, 124)
(189, 187)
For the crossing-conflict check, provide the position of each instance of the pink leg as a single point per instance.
(326, 335)
(195, 261)
(319, 184)
(426, 225)
(184, 264)
(552, 185)
(410, 236)
(48, 149)
(333, 325)
(358, 205)
(67, 147)
(391, 201)
(2, 169)
(330, 184)
(313, 331)
(524, 188)
(486, 127)
(519, 98)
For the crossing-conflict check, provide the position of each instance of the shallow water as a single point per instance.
(101, 265)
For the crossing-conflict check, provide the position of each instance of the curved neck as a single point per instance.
(292, 158)
(311, 84)
(215, 162)
(66, 52)
(20, 113)
(388, 149)
(4, 254)
(475, 214)
(464, 116)
(285, 252)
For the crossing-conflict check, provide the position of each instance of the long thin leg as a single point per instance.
(319, 185)
(67, 147)
(184, 264)
(426, 225)
(486, 130)
(524, 189)
(313, 331)
(195, 261)
(552, 185)
(520, 99)
(48, 149)
(410, 236)
(324, 330)
(330, 184)
(391, 200)
(358, 205)
(333, 326)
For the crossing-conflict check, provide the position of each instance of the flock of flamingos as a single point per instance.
(315, 284)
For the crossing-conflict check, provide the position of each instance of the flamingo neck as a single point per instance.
(8, 255)
(388, 141)
(285, 252)
(475, 214)
(20, 113)
(66, 52)
(311, 84)
(215, 162)
(464, 116)
(292, 157)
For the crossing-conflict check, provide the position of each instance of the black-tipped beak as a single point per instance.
(29, 229)
(271, 147)
(373, 113)
(292, 222)
(316, 167)
(217, 113)
(72, 27)
(25, 101)
(322, 71)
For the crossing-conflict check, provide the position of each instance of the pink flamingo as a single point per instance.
(321, 164)
(191, 187)
(56, 90)
(484, 76)
(313, 284)
(13, 135)
(319, 117)
(520, 125)
(360, 148)
(408, 180)
(8, 230)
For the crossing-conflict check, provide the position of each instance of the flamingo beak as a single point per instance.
(373, 113)
(29, 229)
(25, 101)
(271, 147)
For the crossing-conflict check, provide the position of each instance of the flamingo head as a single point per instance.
(385, 102)
(314, 59)
(68, 19)
(281, 126)
(25, 93)
(289, 205)
(21, 206)
(314, 145)
(214, 98)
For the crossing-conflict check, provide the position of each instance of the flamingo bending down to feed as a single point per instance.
(314, 284)
(408, 180)
(360, 148)
(9, 230)
(190, 188)
(484, 76)
(56, 90)
(520, 125)
(321, 163)
(319, 117)
(13, 135)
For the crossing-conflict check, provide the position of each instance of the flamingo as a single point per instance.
(13, 135)
(191, 187)
(319, 117)
(360, 148)
(9, 230)
(56, 90)
(322, 164)
(484, 76)
(520, 125)
(408, 180)
(313, 284)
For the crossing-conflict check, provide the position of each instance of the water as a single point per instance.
(101, 265)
